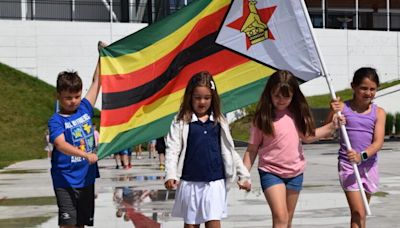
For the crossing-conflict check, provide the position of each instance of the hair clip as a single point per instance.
(212, 85)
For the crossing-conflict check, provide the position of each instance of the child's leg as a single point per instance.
(116, 156)
(191, 226)
(276, 198)
(213, 224)
(358, 213)
(291, 201)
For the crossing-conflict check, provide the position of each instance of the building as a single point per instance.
(43, 37)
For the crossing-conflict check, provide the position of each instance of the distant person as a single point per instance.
(282, 121)
(138, 151)
(160, 147)
(151, 147)
(73, 164)
(96, 135)
(49, 146)
(200, 156)
(365, 125)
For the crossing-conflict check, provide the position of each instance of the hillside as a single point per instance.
(25, 105)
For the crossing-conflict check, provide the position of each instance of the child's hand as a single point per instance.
(92, 158)
(336, 105)
(338, 120)
(353, 156)
(101, 45)
(171, 184)
(246, 185)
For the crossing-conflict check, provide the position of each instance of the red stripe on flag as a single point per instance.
(215, 64)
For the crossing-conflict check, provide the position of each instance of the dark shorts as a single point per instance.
(160, 145)
(268, 179)
(75, 206)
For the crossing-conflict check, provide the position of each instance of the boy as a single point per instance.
(73, 165)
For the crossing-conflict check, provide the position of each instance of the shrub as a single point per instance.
(397, 123)
(389, 124)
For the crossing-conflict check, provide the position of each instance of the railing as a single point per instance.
(146, 11)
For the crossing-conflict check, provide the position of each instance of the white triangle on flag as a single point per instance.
(273, 32)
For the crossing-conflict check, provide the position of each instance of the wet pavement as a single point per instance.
(136, 197)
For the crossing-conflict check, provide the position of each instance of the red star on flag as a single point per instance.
(265, 14)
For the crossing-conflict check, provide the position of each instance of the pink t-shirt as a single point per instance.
(282, 154)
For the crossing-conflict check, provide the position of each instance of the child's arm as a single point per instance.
(94, 88)
(173, 145)
(377, 143)
(324, 131)
(250, 156)
(331, 123)
(67, 148)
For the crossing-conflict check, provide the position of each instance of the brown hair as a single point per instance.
(199, 79)
(69, 81)
(285, 83)
(365, 72)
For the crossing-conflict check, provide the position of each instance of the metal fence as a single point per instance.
(142, 11)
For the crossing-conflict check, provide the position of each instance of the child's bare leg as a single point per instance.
(291, 201)
(191, 226)
(358, 214)
(276, 198)
(213, 224)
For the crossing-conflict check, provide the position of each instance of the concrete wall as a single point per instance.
(344, 51)
(43, 48)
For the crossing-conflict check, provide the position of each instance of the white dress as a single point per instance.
(199, 202)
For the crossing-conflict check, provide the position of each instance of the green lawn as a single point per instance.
(26, 103)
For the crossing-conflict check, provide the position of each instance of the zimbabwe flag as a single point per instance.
(144, 75)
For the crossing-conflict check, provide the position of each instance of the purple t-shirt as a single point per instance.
(360, 128)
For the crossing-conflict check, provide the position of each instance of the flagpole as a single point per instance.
(332, 91)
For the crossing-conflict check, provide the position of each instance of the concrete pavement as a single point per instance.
(322, 203)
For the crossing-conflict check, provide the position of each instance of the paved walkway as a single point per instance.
(321, 204)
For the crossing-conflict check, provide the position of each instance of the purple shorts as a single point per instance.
(368, 173)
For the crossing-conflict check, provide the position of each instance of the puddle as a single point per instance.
(330, 153)
(123, 178)
(23, 222)
(23, 171)
(144, 208)
(121, 168)
(380, 194)
(30, 201)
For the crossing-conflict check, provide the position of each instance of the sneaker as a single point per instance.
(117, 167)
(130, 166)
(162, 167)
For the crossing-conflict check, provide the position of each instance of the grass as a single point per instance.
(26, 103)
(240, 128)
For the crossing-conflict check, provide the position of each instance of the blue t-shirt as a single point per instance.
(67, 170)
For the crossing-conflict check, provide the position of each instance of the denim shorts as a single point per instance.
(269, 179)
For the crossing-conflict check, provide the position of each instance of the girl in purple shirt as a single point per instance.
(365, 125)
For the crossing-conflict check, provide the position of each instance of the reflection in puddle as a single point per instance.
(141, 207)
(134, 165)
(123, 178)
(23, 171)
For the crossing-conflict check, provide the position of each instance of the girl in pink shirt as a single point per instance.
(281, 123)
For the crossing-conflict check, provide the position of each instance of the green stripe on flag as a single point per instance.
(157, 31)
